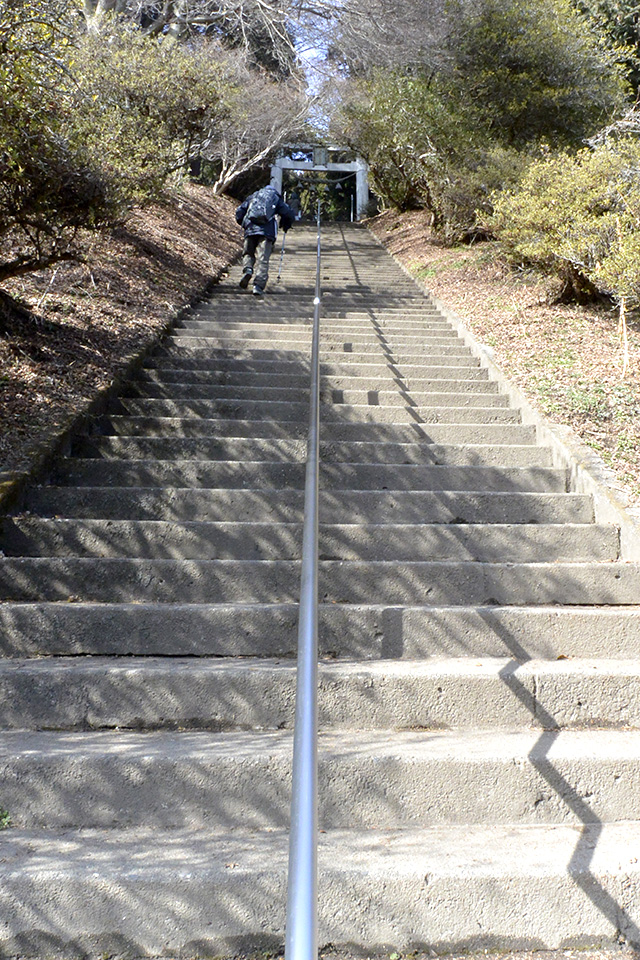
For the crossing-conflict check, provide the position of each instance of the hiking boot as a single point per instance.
(244, 282)
(257, 292)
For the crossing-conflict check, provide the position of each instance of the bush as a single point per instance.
(533, 69)
(426, 150)
(465, 189)
(48, 186)
(579, 217)
(91, 125)
(513, 77)
(144, 109)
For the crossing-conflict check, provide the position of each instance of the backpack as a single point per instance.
(262, 206)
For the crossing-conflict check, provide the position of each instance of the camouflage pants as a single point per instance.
(255, 259)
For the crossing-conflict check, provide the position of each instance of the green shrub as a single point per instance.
(426, 149)
(511, 78)
(91, 125)
(48, 186)
(464, 189)
(579, 217)
(146, 109)
(533, 69)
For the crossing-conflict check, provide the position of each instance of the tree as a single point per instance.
(260, 28)
(508, 77)
(48, 186)
(578, 216)
(394, 34)
(532, 69)
(619, 21)
(427, 149)
(95, 121)
(261, 115)
(146, 110)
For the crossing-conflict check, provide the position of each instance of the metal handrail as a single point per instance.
(302, 895)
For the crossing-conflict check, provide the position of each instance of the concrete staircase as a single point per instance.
(480, 676)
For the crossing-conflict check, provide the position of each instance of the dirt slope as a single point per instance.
(87, 320)
(567, 359)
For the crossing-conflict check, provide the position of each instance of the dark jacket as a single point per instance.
(270, 229)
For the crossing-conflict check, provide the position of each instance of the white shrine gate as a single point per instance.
(322, 162)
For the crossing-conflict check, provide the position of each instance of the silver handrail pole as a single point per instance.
(302, 895)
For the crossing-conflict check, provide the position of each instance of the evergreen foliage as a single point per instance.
(427, 147)
(512, 77)
(96, 120)
(145, 110)
(619, 21)
(579, 217)
(532, 69)
(48, 185)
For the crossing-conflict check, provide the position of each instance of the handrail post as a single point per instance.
(302, 894)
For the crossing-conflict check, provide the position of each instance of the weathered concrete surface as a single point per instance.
(378, 378)
(159, 707)
(265, 475)
(220, 367)
(258, 694)
(367, 631)
(404, 506)
(394, 582)
(230, 448)
(453, 351)
(235, 427)
(384, 396)
(367, 779)
(157, 539)
(193, 893)
(243, 409)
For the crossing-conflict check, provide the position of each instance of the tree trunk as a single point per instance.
(96, 10)
(178, 21)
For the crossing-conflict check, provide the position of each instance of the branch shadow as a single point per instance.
(139, 546)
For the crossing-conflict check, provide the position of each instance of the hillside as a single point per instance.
(567, 359)
(85, 321)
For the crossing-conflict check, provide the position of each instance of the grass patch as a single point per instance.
(589, 400)
(424, 271)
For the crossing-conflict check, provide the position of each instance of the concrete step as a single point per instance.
(335, 305)
(207, 448)
(364, 631)
(356, 344)
(366, 300)
(397, 396)
(157, 539)
(369, 506)
(388, 380)
(346, 354)
(241, 779)
(229, 448)
(264, 475)
(422, 889)
(447, 433)
(338, 332)
(439, 583)
(330, 412)
(300, 312)
(371, 285)
(154, 693)
(335, 367)
(368, 328)
(437, 400)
